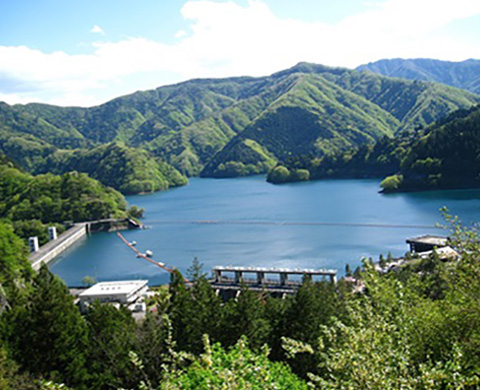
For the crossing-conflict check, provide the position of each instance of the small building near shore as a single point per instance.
(129, 293)
(426, 243)
(444, 253)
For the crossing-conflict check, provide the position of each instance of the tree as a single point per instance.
(88, 280)
(375, 346)
(245, 316)
(152, 346)
(194, 311)
(111, 334)
(47, 335)
(348, 270)
(194, 272)
(279, 174)
(313, 307)
(10, 378)
(136, 212)
(236, 368)
(300, 175)
(391, 183)
(14, 264)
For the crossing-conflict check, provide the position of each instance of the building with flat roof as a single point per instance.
(426, 243)
(126, 292)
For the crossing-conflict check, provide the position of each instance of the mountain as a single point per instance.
(129, 170)
(327, 110)
(31, 203)
(224, 127)
(464, 74)
(446, 157)
(366, 161)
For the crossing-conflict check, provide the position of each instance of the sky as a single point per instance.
(86, 52)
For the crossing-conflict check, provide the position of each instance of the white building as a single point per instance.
(128, 292)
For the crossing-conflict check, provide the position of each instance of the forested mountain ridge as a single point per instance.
(447, 156)
(464, 74)
(31, 203)
(333, 111)
(443, 155)
(233, 126)
(129, 170)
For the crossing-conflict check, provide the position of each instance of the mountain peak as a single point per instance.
(461, 74)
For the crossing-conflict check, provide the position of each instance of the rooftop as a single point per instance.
(119, 287)
(429, 240)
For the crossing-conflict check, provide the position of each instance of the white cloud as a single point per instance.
(227, 39)
(97, 30)
(180, 34)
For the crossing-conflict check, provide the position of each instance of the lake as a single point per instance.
(247, 221)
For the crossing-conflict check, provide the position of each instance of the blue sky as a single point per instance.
(85, 52)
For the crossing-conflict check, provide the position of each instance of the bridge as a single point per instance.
(279, 285)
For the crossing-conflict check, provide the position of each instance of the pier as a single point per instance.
(275, 281)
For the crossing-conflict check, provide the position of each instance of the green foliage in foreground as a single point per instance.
(14, 265)
(46, 331)
(418, 328)
(237, 368)
(391, 340)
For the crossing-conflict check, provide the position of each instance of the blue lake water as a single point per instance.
(322, 224)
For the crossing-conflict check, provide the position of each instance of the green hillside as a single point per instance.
(224, 127)
(464, 74)
(326, 112)
(30, 203)
(446, 157)
(366, 161)
(129, 170)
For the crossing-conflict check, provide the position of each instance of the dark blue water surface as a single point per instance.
(311, 224)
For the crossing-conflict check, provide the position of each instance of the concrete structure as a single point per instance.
(56, 246)
(426, 243)
(230, 287)
(127, 292)
(52, 233)
(33, 244)
(261, 271)
(53, 248)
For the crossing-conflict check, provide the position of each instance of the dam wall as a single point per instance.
(53, 248)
